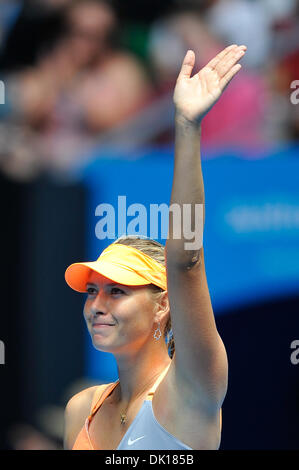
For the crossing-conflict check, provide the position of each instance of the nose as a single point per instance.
(99, 304)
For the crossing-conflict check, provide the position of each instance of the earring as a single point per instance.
(158, 334)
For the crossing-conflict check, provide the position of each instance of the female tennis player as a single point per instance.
(161, 400)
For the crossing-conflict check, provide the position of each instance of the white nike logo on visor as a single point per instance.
(132, 441)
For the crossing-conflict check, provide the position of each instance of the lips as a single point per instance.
(98, 325)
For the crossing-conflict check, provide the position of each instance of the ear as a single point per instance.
(162, 309)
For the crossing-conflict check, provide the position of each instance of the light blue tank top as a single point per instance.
(145, 433)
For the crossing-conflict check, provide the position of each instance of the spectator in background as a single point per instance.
(82, 87)
(283, 71)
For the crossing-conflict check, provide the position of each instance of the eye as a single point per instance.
(116, 290)
(91, 291)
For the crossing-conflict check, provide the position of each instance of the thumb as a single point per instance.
(188, 64)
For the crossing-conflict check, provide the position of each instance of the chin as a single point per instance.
(101, 345)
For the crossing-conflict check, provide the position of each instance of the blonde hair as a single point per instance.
(156, 251)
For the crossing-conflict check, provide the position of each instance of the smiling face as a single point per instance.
(119, 318)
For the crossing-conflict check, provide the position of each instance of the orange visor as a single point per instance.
(122, 264)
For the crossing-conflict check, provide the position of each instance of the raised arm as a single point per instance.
(200, 357)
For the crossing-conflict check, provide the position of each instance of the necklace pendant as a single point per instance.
(123, 418)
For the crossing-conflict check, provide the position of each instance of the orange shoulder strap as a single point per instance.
(100, 396)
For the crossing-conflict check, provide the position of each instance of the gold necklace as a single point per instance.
(123, 416)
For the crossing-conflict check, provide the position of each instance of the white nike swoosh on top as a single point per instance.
(132, 441)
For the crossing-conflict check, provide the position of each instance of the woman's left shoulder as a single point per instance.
(77, 410)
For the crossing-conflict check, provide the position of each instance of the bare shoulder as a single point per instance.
(77, 410)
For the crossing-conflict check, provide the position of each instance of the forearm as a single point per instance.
(187, 189)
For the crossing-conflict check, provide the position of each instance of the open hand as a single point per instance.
(195, 96)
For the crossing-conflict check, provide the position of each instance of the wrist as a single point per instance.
(182, 120)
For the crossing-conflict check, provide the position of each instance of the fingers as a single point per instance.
(228, 77)
(222, 63)
(226, 59)
(229, 68)
(212, 64)
(188, 64)
(226, 64)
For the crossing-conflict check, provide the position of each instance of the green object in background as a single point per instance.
(134, 37)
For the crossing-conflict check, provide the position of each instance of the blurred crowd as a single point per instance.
(81, 76)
